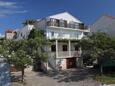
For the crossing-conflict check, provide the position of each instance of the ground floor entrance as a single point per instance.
(70, 62)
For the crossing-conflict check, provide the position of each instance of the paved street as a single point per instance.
(65, 78)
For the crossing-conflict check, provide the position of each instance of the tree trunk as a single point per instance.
(22, 73)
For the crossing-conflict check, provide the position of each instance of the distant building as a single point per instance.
(23, 33)
(10, 34)
(105, 24)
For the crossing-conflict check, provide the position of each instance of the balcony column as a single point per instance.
(69, 42)
(56, 48)
(80, 51)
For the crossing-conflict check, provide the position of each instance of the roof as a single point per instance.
(112, 17)
(65, 16)
(10, 31)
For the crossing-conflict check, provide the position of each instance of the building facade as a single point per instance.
(23, 33)
(10, 34)
(64, 31)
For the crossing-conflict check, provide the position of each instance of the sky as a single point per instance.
(14, 12)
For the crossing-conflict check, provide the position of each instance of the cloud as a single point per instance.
(12, 12)
(4, 13)
(5, 9)
(7, 4)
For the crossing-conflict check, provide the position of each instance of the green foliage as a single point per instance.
(108, 79)
(37, 43)
(99, 46)
(36, 33)
(21, 59)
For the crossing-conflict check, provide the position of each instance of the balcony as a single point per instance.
(65, 54)
(65, 24)
(66, 35)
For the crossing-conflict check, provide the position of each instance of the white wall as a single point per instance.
(9, 35)
(62, 63)
(24, 32)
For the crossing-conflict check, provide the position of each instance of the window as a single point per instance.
(63, 23)
(81, 26)
(52, 33)
(76, 47)
(21, 34)
(53, 48)
(71, 25)
(64, 47)
(56, 22)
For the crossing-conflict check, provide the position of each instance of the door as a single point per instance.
(71, 62)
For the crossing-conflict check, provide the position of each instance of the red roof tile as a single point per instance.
(112, 17)
(10, 31)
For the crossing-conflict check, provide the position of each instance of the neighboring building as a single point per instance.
(24, 32)
(10, 34)
(64, 31)
(104, 24)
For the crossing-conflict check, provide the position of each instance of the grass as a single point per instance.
(107, 79)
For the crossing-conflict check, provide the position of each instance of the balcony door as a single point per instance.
(71, 62)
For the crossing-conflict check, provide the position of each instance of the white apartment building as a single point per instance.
(64, 31)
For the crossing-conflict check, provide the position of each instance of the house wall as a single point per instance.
(104, 24)
(60, 46)
(9, 35)
(24, 32)
(62, 63)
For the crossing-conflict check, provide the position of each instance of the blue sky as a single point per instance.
(14, 12)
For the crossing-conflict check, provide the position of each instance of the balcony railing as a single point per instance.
(63, 23)
(65, 54)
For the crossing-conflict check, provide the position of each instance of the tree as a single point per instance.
(37, 44)
(29, 22)
(98, 46)
(21, 60)
(19, 55)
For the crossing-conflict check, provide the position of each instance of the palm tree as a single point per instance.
(29, 22)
